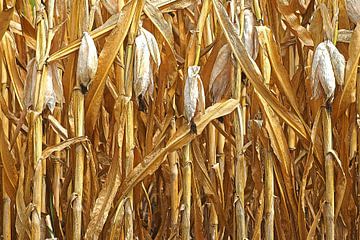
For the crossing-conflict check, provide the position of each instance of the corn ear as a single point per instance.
(87, 62)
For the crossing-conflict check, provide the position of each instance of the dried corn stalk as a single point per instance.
(194, 97)
(147, 58)
(328, 67)
(87, 62)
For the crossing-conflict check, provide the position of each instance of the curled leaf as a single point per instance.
(87, 62)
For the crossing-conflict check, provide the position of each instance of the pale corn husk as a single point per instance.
(53, 91)
(220, 74)
(249, 37)
(194, 97)
(87, 62)
(147, 59)
(328, 67)
(353, 10)
(29, 85)
(337, 61)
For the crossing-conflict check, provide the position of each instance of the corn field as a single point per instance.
(180, 119)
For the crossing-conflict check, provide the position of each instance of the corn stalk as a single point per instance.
(329, 173)
(187, 160)
(174, 181)
(129, 132)
(269, 160)
(239, 131)
(358, 153)
(79, 114)
(36, 120)
(212, 161)
(292, 64)
(57, 168)
(6, 217)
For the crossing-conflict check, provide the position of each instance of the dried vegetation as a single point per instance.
(190, 119)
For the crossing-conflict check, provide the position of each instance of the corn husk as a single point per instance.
(193, 93)
(87, 62)
(147, 59)
(249, 37)
(328, 67)
(337, 62)
(220, 74)
(53, 91)
(353, 10)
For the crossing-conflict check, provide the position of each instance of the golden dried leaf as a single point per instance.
(160, 23)
(293, 22)
(5, 17)
(348, 95)
(8, 47)
(266, 39)
(182, 136)
(8, 164)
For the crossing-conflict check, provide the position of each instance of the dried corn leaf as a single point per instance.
(9, 53)
(5, 17)
(267, 40)
(22, 221)
(348, 95)
(293, 21)
(160, 23)
(182, 136)
(107, 194)
(315, 223)
(8, 164)
(281, 149)
(61, 146)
